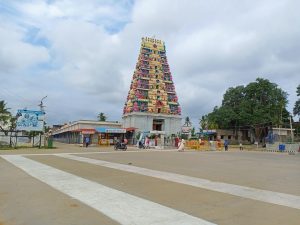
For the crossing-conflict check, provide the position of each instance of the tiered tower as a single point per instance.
(152, 103)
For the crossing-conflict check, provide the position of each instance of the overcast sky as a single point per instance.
(82, 54)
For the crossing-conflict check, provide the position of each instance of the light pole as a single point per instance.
(41, 105)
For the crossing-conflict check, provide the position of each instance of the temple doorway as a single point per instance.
(157, 124)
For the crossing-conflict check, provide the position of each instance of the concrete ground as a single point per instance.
(151, 179)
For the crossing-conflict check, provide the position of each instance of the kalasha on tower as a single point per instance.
(152, 103)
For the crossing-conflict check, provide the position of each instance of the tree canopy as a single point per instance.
(296, 109)
(101, 117)
(259, 102)
(5, 116)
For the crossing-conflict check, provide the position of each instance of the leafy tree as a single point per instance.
(255, 105)
(5, 116)
(296, 109)
(101, 117)
(193, 132)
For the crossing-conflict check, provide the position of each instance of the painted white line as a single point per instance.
(277, 198)
(120, 206)
(83, 153)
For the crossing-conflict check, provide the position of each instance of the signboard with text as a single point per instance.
(115, 130)
(29, 120)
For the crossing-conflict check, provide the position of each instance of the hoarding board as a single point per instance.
(29, 120)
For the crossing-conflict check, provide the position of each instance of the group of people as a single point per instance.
(180, 143)
(145, 143)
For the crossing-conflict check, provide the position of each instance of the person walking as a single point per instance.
(226, 143)
(87, 141)
(125, 141)
(241, 146)
(181, 145)
(147, 142)
(176, 142)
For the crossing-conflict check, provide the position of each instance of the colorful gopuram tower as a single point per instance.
(152, 103)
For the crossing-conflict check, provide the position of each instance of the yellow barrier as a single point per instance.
(104, 142)
(204, 145)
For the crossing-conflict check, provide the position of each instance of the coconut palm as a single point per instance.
(4, 115)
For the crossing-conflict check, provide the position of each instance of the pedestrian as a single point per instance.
(176, 142)
(87, 141)
(241, 146)
(181, 145)
(147, 142)
(226, 143)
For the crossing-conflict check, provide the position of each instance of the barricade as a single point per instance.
(204, 145)
(291, 148)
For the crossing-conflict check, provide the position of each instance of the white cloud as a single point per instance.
(15, 54)
(211, 46)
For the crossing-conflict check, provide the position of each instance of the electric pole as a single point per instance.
(41, 105)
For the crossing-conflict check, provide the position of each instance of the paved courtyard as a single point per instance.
(74, 185)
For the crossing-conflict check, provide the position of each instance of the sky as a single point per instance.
(82, 54)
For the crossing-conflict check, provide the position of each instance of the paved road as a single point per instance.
(73, 185)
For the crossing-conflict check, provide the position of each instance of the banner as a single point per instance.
(29, 120)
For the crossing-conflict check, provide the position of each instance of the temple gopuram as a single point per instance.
(152, 104)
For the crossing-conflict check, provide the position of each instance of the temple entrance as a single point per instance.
(157, 124)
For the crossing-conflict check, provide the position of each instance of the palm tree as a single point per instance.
(4, 115)
(101, 117)
(3, 109)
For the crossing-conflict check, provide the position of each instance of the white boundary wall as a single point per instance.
(291, 148)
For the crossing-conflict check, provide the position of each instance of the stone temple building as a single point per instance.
(152, 104)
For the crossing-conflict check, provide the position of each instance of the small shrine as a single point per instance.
(152, 103)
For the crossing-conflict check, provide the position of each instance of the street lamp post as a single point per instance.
(41, 105)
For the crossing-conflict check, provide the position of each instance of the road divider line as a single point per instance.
(119, 206)
(288, 200)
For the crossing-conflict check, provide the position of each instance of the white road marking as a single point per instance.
(109, 152)
(120, 206)
(272, 197)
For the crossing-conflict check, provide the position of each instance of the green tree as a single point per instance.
(296, 109)
(101, 117)
(5, 117)
(193, 132)
(207, 123)
(255, 105)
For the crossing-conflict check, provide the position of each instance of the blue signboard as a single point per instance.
(29, 120)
